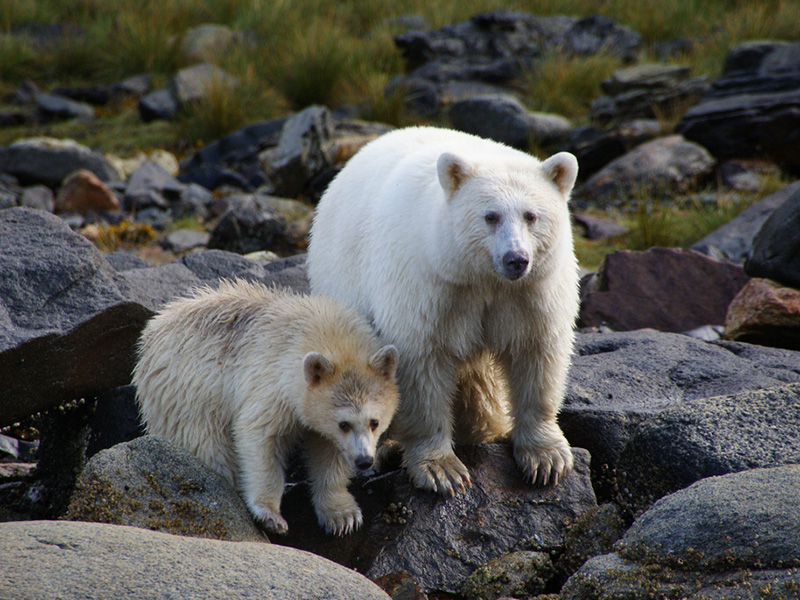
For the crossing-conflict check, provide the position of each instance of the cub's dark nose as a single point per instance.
(363, 463)
(515, 265)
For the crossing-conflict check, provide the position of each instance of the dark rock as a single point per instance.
(14, 118)
(667, 289)
(594, 533)
(75, 560)
(52, 106)
(776, 246)
(247, 227)
(233, 159)
(439, 541)
(753, 109)
(136, 86)
(662, 168)
(48, 161)
(39, 197)
(596, 34)
(595, 148)
(65, 307)
(153, 484)
(183, 240)
(733, 240)
(115, 420)
(619, 379)
(159, 104)
(647, 91)
(302, 151)
(504, 119)
(96, 95)
(735, 536)
(764, 312)
(598, 228)
(745, 175)
(151, 185)
(707, 437)
(194, 201)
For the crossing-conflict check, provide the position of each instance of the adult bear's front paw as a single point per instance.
(341, 521)
(443, 473)
(544, 463)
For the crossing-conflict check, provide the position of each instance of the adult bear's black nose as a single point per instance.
(515, 265)
(363, 463)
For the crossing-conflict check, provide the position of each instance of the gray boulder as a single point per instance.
(302, 153)
(707, 437)
(776, 246)
(753, 109)
(153, 484)
(504, 119)
(595, 147)
(735, 536)
(48, 161)
(646, 91)
(618, 380)
(68, 320)
(73, 560)
(54, 106)
(662, 168)
(249, 226)
(151, 185)
(734, 240)
(159, 104)
(439, 541)
(194, 83)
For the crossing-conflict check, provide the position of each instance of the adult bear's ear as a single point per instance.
(562, 169)
(316, 367)
(453, 171)
(384, 361)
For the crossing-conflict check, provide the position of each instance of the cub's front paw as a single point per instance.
(544, 464)
(340, 521)
(444, 474)
(270, 519)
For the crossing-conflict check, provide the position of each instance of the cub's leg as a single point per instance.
(262, 465)
(329, 472)
(424, 424)
(537, 382)
(482, 402)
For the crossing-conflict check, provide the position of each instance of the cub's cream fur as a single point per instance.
(238, 375)
(459, 251)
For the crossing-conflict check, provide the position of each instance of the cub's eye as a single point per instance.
(530, 217)
(492, 218)
(344, 426)
(373, 424)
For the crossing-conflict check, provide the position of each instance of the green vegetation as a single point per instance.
(335, 52)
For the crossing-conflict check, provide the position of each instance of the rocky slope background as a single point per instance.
(683, 404)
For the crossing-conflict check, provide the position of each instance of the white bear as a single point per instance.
(240, 374)
(459, 251)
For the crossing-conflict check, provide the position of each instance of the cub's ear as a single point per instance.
(562, 169)
(316, 367)
(384, 361)
(453, 171)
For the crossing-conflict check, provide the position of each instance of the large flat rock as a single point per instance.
(74, 560)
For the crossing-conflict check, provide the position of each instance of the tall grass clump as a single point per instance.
(312, 66)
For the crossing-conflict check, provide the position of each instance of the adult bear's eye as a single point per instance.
(530, 217)
(344, 426)
(492, 218)
(373, 424)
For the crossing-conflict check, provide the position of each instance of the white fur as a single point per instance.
(239, 375)
(485, 337)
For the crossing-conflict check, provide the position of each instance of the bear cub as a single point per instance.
(241, 374)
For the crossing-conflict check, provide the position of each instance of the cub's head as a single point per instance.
(353, 405)
(509, 210)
